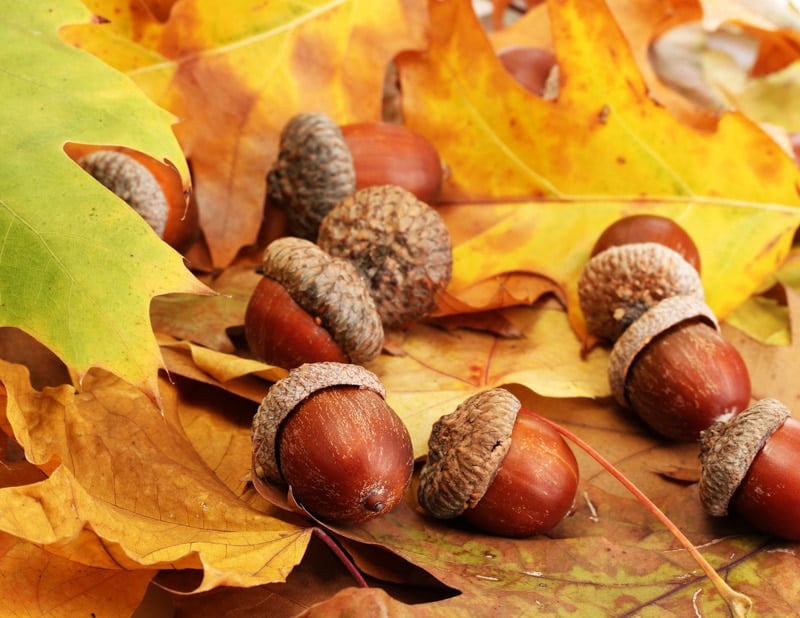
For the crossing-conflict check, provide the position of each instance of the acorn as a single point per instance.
(648, 227)
(674, 369)
(310, 307)
(625, 277)
(153, 189)
(391, 154)
(327, 435)
(533, 68)
(496, 466)
(319, 163)
(749, 467)
(399, 244)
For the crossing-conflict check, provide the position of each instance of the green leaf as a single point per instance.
(78, 267)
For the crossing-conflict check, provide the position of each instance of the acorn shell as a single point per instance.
(664, 315)
(465, 451)
(329, 289)
(621, 283)
(313, 171)
(728, 448)
(287, 394)
(400, 245)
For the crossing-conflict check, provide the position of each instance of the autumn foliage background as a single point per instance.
(127, 392)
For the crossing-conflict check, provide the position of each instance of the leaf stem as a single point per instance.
(341, 555)
(739, 604)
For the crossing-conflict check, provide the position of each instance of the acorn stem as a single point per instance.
(341, 555)
(739, 604)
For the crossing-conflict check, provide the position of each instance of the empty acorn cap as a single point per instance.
(313, 171)
(399, 244)
(728, 448)
(465, 450)
(662, 316)
(621, 283)
(132, 182)
(287, 394)
(329, 289)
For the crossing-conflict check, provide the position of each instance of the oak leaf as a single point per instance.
(234, 74)
(130, 491)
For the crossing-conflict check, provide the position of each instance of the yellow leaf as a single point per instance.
(131, 491)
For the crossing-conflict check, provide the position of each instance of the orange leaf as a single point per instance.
(235, 74)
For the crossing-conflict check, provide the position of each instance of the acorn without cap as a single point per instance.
(310, 307)
(400, 245)
(327, 434)
(498, 467)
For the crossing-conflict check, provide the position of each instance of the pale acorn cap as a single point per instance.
(313, 171)
(622, 282)
(329, 289)
(728, 448)
(659, 318)
(465, 451)
(132, 182)
(400, 245)
(288, 394)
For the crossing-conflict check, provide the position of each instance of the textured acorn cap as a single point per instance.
(621, 283)
(132, 182)
(662, 316)
(399, 244)
(465, 451)
(728, 448)
(313, 171)
(289, 393)
(329, 289)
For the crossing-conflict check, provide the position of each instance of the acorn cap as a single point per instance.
(621, 283)
(662, 316)
(399, 244)
(132, 182)
(728, 448)
(313, 171)
(289, 393)
(465, 450)
(329, 289)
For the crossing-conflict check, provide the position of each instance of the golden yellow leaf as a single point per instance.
(37, 583)
(131, 492)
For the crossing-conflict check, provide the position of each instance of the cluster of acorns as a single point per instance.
(379, 257)
(641, 290)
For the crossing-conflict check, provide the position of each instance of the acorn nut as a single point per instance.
(151, 188)
(636, 262)
(319, 163)
(649, 228)
(391, 154)
(310, 307)
(497, 467)
(674, 369)
(326, 433)
(400, 245)
(749, 467)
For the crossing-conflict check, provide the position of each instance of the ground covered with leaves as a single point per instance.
(127, 390)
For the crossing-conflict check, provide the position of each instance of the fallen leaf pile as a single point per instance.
(127, 388)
